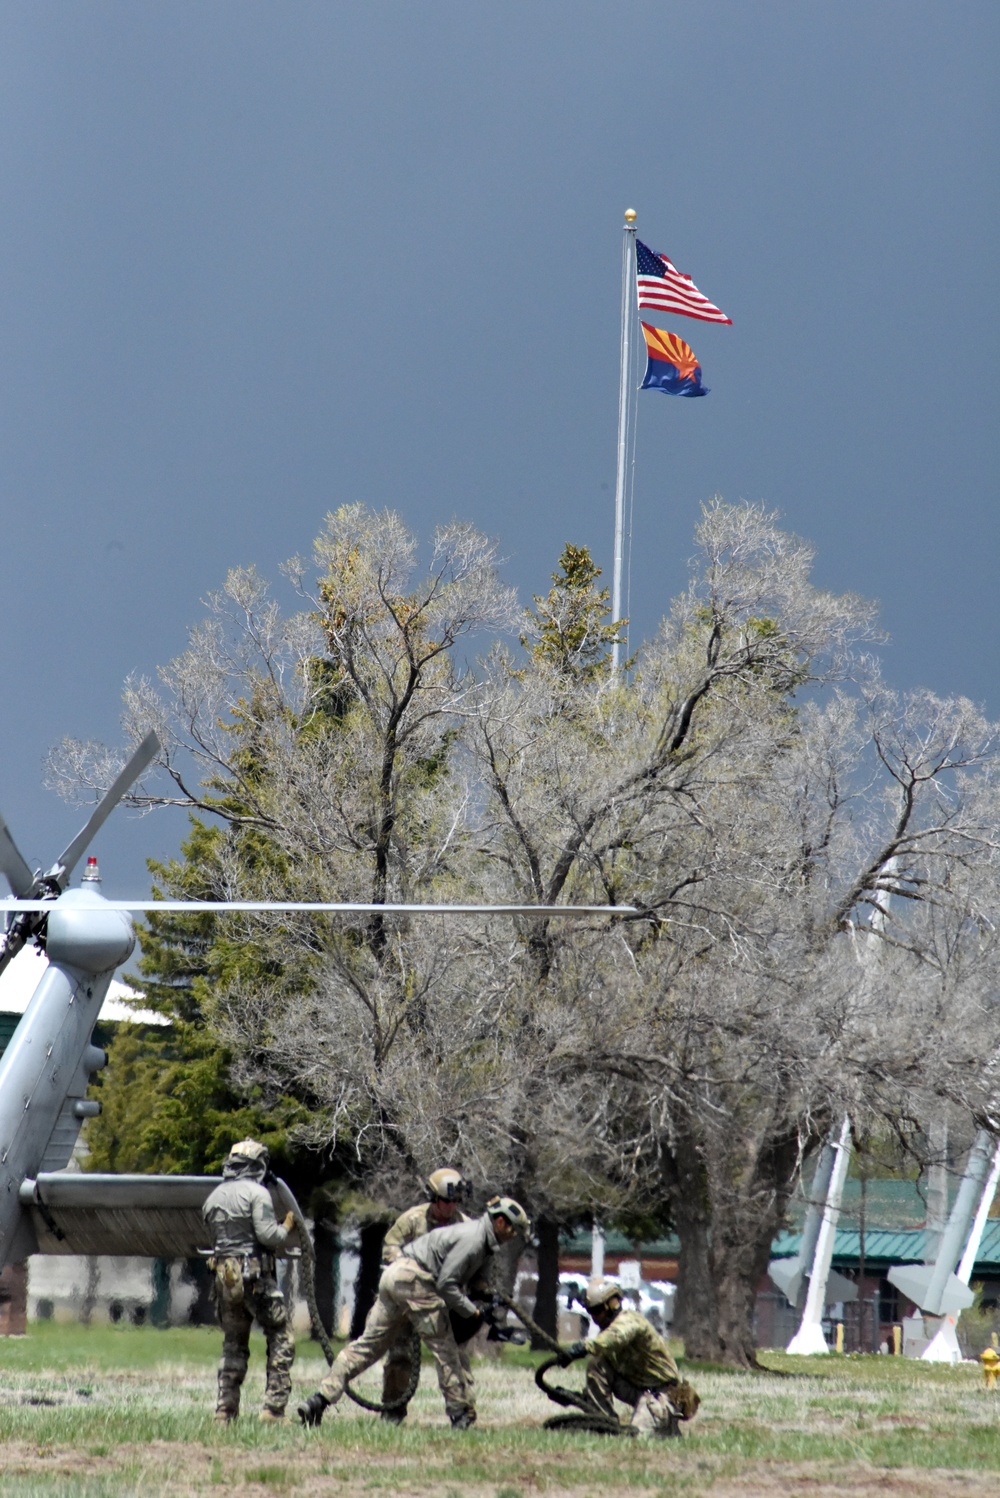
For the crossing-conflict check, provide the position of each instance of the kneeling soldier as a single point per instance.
(628, 1360)
(445, 1191)
(429, 1279)
(244, 1228)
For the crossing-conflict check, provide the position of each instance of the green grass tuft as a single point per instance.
(127, 1413)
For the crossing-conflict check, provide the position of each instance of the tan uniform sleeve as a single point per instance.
(618, 1334)
(636, 1351)
(412, 1224)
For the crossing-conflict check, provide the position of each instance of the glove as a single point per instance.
(464, 1328)
(315, 1407)
(494, 1314)
(571, 1353)
(289, 1222)
(684, 1399)
(498, 1309)
(505, 1334)
(489, 1311)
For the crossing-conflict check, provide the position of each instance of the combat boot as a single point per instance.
(462, 1419)
(315, 1407)
(266, 1417)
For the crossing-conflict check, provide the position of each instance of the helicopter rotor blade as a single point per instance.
(143, 756)
(19, 876)
(190, 907)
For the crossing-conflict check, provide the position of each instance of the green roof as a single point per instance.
(885, 1246)
(887, 1204)
(8, 1024)
(895, 1214)
(620, 1246)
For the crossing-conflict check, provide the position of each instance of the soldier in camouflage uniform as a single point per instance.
(445, 1190)
(627, 1360)
(425, 1283)
(241, 1218)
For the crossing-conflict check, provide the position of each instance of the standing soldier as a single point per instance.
(629, 1360)
(244, 1230)
(445, 1191)
(429, 1279)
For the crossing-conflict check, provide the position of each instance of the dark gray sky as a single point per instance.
(261, 259)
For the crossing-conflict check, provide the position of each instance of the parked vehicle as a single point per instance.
(654, 1299)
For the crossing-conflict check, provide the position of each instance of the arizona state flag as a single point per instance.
(671, 365)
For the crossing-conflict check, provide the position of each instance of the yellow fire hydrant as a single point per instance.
(990, 1360)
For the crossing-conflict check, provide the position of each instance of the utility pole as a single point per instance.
(626, 404)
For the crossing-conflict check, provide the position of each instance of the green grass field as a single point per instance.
(106, 1412)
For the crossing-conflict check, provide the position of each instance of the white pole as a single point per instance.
(944, 1345)
(597, 1251)
(809, 1338)
(953, 1239)
(791, 1275)
(624, 411)
(964, 1270)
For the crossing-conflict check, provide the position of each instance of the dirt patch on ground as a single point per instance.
(314, 1471)
(765, 1480)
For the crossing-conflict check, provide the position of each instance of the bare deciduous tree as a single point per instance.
(753, 790)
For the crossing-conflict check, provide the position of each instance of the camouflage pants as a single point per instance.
(406, 1297)
(604, 1386)
(239, 1306)
(396, 1371)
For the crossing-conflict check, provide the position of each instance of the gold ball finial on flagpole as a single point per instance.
(630, 216)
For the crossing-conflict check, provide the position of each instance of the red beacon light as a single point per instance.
(91, 874)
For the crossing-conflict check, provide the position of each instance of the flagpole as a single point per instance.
(625, 395)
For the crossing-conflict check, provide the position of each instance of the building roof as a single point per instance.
(20, 979)
(620, 1246)
(900, 1204)
(895, 1220)
(886, 1246)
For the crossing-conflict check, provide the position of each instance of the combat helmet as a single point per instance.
(247, 1158)
(506, 1206)
(601, 1293)
(447, 1185)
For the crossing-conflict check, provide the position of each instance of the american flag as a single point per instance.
(662, 286)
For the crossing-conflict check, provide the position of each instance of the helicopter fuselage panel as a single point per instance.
(46, 1068)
